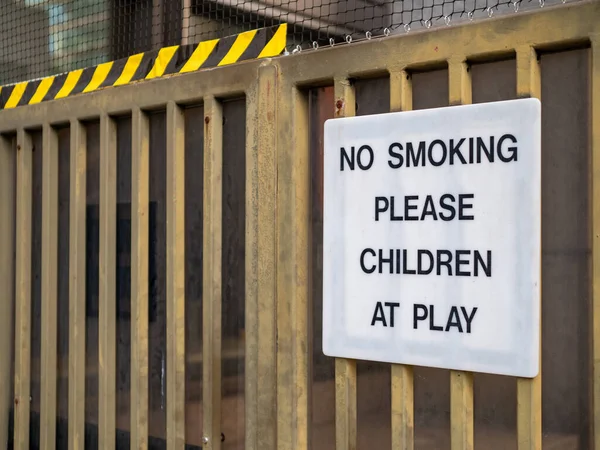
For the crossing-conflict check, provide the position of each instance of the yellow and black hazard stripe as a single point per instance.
(261, 43)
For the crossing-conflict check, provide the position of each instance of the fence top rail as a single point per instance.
(559, 27)
(556, 28)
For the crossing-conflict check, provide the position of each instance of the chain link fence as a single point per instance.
(46, 37)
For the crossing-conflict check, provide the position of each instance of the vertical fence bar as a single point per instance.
(107, 294)
(49, 287)
(77, 249)
(175, 277)
(23, 289)
(461, 383)
(293, 216)
(251, 271)
(7, 227)
(266, 143)
(403, 421)
(211, 284)
(299, 266)
(285, 257)
(345, 369)
(529, 391)
(140, 192)
(596, 239)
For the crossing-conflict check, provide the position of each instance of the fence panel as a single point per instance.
(180, 248)
(7, 282)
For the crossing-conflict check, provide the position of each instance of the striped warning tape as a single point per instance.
(261, 43)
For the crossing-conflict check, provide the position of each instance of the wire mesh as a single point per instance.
(45, 37)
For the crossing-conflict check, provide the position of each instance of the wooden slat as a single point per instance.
(529, 391)
(293, 234)
(23, 289)
(459, 83)
(77, 249)
(299, 267)
(461, 410)
(49, 287)
(266, 142)
(461, 383)
(345, 404)
(211, 275)
(345, 369)
(140, 174)
(107, 275)
(402, 376)
(251, 272)
(175, 278)
(7, 280)
(596, 237)
(285, 229)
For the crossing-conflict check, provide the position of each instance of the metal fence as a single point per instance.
(161, 266)
(47, 37)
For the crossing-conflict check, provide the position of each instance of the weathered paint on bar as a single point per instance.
(251, 269)
(266, 418)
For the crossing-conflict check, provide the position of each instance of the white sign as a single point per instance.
(432, 237)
